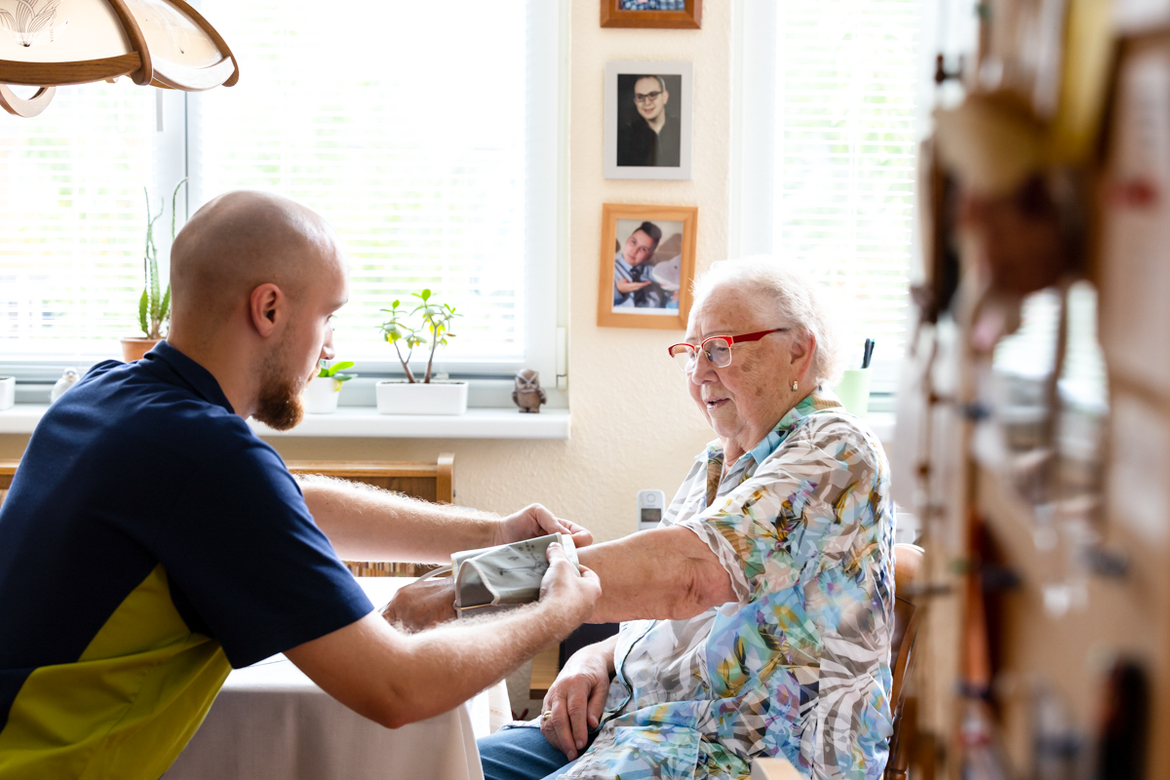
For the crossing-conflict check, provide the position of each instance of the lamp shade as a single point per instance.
(162, 43)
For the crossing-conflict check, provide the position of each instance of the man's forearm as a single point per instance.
(369, 524)
(395, 678)
(461, 658)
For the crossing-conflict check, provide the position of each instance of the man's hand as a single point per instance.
(625, 287)
(575, 702)
(534, 520)
(571, 593)
(422, 604)
(428, 602)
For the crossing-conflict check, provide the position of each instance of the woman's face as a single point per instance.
(743, 401)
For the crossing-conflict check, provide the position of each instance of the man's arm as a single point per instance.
(665, 573)
(366, 523)
(395, 678)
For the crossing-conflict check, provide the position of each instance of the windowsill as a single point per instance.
(361, 421)
(357, 421)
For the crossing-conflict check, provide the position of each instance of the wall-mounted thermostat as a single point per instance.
(651, 505)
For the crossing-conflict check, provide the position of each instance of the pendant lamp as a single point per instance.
(160, 43)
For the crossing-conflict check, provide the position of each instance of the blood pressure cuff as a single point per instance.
(493, 579)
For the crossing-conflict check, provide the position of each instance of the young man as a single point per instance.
(651, 137)
(150, 541)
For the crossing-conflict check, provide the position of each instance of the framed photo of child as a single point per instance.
(647, 265)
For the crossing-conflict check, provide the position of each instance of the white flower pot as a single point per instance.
(401, 397)
(321, 395)
(7, 392)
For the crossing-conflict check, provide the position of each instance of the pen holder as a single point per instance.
(853, 390)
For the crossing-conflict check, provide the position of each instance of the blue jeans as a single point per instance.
(520, 753)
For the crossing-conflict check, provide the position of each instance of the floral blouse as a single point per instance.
(797, 667)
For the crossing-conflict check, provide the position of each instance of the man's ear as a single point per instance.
(266, 306)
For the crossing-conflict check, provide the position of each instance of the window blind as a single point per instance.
(73, 227)
(845, 164)
(830, 113)
(404, 124)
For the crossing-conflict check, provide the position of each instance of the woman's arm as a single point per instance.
(664, 573)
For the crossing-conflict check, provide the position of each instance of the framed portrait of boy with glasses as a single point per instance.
(647, 264)
(648, 117)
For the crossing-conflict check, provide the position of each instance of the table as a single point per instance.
(271, 722)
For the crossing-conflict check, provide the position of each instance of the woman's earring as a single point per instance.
(795, 385)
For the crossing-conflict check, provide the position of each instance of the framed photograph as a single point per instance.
(667, 14)
(649, 108)
(647, 265)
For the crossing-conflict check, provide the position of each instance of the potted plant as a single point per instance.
(154, 307)
(323, 390)
(431, 395)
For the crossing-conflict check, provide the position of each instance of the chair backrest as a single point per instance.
(428, 481)
(909, 568)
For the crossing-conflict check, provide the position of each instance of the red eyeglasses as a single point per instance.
(716, 348)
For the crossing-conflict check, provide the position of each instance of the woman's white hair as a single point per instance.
(783, 297)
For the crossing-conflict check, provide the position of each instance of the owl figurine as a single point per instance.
(68, 379)
(528, 395)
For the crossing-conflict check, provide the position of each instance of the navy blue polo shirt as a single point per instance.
(149, 540)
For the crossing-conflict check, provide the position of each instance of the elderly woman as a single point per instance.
(759, 612)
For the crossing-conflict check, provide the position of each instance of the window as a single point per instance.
(72, 233)
(427, 135)
(829, 116)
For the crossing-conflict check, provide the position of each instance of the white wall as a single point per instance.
(633, 425)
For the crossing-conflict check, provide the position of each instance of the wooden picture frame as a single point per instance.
(613, 15)
(661, 300)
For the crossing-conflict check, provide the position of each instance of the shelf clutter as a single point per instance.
(1033, 430)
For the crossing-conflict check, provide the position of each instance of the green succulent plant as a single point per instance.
(334, 371)
(435, 328)
(154, 307)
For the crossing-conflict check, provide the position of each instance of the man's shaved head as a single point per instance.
(241, 240)
(255, 281)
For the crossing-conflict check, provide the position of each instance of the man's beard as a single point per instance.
(279, 405)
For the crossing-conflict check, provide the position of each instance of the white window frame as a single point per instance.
(545, 234)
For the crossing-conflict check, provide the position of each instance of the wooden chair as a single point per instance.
(909, 568)
(7, 470)
(428, 481)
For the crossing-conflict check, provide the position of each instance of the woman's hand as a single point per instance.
(576, 700)
(422, 604)
(534, 520)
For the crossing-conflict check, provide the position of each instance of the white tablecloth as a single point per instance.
(271, 722)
